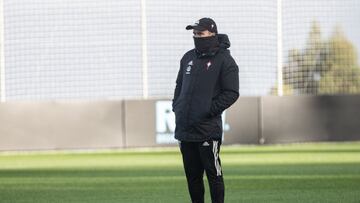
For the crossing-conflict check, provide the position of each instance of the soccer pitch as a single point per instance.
(321, 172)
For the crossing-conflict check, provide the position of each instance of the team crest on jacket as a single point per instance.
(208, 64)
(188, 68)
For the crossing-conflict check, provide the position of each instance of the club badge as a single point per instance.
(208, 64)
(188, 68)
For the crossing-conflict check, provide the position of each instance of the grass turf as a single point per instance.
(321, 172)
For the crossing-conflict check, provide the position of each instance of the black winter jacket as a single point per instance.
(206, 85)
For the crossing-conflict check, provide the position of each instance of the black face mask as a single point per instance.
(206, 44)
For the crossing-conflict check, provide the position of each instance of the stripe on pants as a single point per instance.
(216, 158)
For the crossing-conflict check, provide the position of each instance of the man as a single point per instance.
(206, 85)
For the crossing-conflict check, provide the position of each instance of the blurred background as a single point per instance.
(99, 74)
(86, 89)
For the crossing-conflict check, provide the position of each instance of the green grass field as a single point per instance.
(323, 172)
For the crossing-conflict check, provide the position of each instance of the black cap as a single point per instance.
(204, 24)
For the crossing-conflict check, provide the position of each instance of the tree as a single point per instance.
(323, 67)
(343, 72)
(303, 68)
(341, 80)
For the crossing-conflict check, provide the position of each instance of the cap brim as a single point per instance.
(195, 27)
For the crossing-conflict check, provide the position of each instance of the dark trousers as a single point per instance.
(197, 158)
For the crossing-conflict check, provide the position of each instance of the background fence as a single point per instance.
(90, 49)
(129, 52)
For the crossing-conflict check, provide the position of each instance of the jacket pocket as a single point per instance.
(206, 127)
(179, 111)
(175, 104)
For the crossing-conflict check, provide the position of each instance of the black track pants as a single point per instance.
(200, 156)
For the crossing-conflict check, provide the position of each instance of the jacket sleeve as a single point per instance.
(178, 86)
(229, 84)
